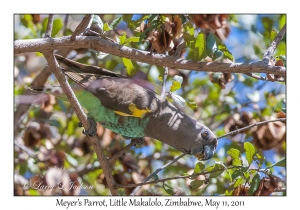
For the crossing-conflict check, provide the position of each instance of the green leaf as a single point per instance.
(176, 83)
(196, 184)
(247, 175)
(254, 184)
(169, 191)
(23, 169)
(143, 35)
(236, 174)
(200, 47)
(217, 54)
(192, 104)
(259, 157)
(240, 180)
(281, 163)
(122, 38)
(237, 162)
(250, 150)
(234, 153)
(33, 192)
(198, 167)
(249, 81)
(115, 22)
(152, 17)
(131, 71)
(127, 18)
(219, 167)
(273, 34)
(222, 47)
(106, 27)
(228, 193)
(97, 24)
(54, 122)
(184, 20)
(132, 39)
(57, 25)
(185, 174)
(71, 160)
(211, 45)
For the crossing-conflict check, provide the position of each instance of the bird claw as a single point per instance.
(93, 128)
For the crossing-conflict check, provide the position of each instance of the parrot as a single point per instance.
(125, 107)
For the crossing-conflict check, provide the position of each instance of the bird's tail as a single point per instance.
(82, 68)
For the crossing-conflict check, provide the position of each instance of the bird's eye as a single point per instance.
(205, 135)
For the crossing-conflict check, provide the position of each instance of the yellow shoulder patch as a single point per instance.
(135, 111)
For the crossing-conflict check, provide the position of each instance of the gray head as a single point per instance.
(207, 144)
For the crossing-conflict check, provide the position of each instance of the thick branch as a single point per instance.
(82, 117)
(100, 44)
(270, 51)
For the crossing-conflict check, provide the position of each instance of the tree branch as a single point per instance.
(81, 26)
(154, 173)
(49, 27)
(172, 178)
(29, 152)
(250, 126)
(270, 51)
(39, 81)
(116, 156)
(258, 77)
(82, 117)
(102, 45)
(65, 24)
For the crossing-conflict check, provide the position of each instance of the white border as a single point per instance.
(157, 6)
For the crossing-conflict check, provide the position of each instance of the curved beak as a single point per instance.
(208, 152)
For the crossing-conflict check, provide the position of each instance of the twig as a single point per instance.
(258, 77)
(30, 152)
(279, 190)
(65, 24)
(152, 175)
(179, 47)
(116, 156)
(98, 34)
(250, 126)
(113, 48)
(87, 170)
(163, 90)
(270, 51)
(81, 26)
(172, 178)
(82, 117)
(22, 109)
(49, 27)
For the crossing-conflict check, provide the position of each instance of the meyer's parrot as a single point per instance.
(125, 107)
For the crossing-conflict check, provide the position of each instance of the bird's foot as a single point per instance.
(93, 129)
(139, 142)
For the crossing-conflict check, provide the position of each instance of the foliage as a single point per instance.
(248, 163)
